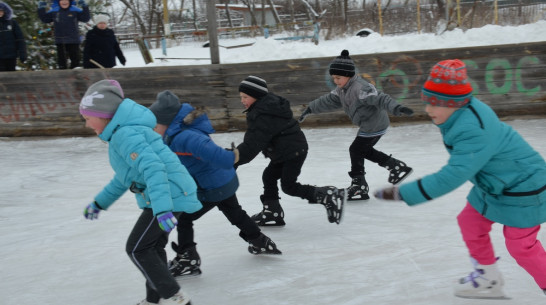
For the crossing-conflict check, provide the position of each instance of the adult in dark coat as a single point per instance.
(101, 46)
(12, 41)
(272, 129)
(65, 16)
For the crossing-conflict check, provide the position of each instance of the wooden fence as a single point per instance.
(510, 78)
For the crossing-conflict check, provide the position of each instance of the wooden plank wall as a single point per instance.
(510, 78)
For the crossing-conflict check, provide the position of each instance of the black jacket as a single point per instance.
(102, 46)
(12, 41)
(271, 129)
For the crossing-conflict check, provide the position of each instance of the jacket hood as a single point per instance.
(189, 117)
(129, 113)
(8, 12)
(274, 105)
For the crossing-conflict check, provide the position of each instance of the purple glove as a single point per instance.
(91, 211)
(167, 221)
(390, 193)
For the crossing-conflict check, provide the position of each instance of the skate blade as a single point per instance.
(271, 224)
(341, 204)
(187, 276)
(359, 199)
(484, 297)
(404, 177)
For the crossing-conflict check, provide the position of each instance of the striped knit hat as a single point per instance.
(343, 65)
(254, 86)
(447, 85)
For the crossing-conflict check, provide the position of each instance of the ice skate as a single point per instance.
(358, 189)
(262, 245)
(178, 299)
(333, 199)
(398, 170)
(145, 302)
(271, 215)
(186, 263)
(485, 282)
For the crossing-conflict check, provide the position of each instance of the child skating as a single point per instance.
(144, 165)
(272, 130)
(509, 179)
(186, 131)
(368, 108)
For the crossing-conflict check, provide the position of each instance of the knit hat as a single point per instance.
(101, 18)
(343, 65)
(166, 107)
(447, 85)
(254, 86)
(102, 99)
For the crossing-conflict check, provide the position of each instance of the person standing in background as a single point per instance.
(65, 16)
(101, 46)
(12, 41)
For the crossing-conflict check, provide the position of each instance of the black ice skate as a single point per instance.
(262, 245)
(271, 215)
(186, 263)
(358, 189)
(398, 170)
(333, 199)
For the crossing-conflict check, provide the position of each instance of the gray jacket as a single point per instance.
(367, 107)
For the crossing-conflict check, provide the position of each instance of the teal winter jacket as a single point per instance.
(142, 161)
(509, 176)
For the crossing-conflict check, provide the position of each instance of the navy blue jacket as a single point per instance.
(65, 21)
(12, 41)
(102, 46)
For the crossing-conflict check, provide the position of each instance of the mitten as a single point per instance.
(390, 193)
(305, 113)
(235, 152)
(42, 4)
(82, 3)
(167, 221)
(405, 110)
(91, 211)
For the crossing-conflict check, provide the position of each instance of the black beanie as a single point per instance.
(254, 86)
(343, 65)
(166, 107)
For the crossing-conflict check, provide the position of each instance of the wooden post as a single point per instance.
(166, 22)
(496, 13)
(458, 13)
(213, 32)
(419, 16)
(380, 17)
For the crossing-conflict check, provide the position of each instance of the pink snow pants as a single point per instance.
(522, 244)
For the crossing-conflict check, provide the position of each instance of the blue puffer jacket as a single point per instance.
(509, 176)
(138, 156)
(13, 43)
(65, 21)
(210, 164)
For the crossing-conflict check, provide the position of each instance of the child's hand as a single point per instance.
(91, 211)
(305, 113)
(390, 193)
(167, 221)
(235, 152)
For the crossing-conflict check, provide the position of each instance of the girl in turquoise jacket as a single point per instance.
(509, 179)
(147, 167)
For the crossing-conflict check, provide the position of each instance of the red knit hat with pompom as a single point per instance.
(447, 85)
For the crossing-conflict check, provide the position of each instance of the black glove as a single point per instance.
(405, 110)
(305, 113)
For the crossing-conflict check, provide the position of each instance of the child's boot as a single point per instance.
(271, 215)
(485, 282)
(262, 245)
(358, 189)
(333, 199)
(398, 170)
(186, 263)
